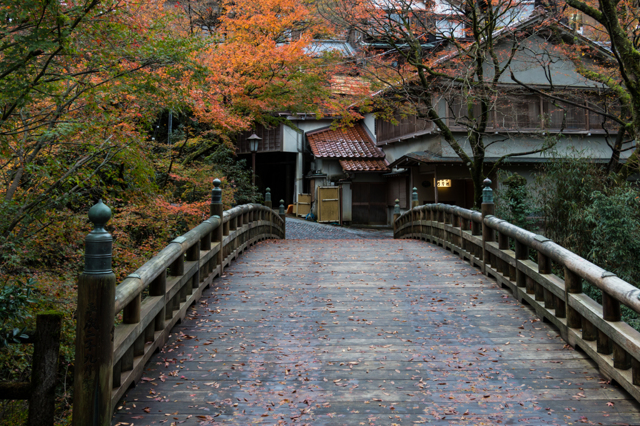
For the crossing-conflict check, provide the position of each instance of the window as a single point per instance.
(576, 117)
(516, 113)
(458, 114)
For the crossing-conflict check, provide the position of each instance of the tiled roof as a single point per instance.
(364, 165)
(351, 142)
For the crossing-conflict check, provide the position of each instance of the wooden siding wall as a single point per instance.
(406, 127)
(271, 140)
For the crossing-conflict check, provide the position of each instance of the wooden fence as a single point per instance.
(40, 391)
(152, 300)
(486, 242)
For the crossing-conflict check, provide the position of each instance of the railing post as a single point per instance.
(488, 208)
(283, 216)
(396, 215)
(267, 198)
(414, 204)
(267, 203)
(217, 210)
(94, 331)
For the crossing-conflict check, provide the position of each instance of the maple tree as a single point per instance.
(83, 84)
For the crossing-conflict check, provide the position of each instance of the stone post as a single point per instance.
(283, 216)
(217, 211)
(93, 377)
(488, 208)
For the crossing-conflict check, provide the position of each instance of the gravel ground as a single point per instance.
(298, 229)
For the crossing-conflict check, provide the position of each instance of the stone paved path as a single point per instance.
(298, 229)
(366, 332)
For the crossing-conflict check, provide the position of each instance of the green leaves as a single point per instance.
(14, 303)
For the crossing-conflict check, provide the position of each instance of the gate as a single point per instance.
(328, 204)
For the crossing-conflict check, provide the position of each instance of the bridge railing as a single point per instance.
(152, 300)
(487, 241)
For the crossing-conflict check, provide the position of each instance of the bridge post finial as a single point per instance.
(487, 192)
(267, 198)
(414, 197)
(93, 375)
(488, 234)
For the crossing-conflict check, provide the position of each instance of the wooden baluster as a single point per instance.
(522, 253)
(572, 285)
(611, 312)
(193, 255)
(131, 312)
(544, 267)
(503, 244)
(589, 331)
(126, 362)
(464, 226)
(158, 287)
(635, 372)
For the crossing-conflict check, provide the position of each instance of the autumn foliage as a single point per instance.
(84, 85)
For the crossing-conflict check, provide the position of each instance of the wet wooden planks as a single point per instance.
(372, 332)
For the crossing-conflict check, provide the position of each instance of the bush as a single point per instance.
(514, 204)
(564, 188)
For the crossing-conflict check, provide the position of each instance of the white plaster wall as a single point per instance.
(594, 146)
(291, 137)
(370, 124)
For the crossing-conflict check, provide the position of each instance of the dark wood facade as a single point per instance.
(272, 139)
(369, 205)
(407, 127)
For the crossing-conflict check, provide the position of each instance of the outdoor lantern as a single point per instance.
(253, 147)
(253, 142)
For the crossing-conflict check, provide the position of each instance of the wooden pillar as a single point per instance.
(93, 372)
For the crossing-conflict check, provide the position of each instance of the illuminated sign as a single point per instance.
(444, 183)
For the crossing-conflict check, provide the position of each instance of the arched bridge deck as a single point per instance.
(366, 332)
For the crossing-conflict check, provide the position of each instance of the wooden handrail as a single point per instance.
(582, 322)
(175, 278)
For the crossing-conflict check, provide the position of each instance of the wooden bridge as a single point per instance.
(444, 324)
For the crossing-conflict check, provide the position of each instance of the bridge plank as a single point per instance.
(371, 332)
